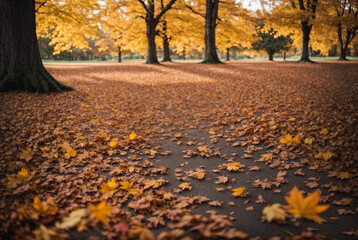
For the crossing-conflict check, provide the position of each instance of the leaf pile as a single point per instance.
(136, 150)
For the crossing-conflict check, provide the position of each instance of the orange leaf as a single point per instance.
(305, 207)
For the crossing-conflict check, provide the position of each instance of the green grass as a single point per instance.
(293, 59)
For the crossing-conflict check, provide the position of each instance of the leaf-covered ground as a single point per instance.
(183, 151)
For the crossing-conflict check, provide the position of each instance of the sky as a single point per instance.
(251, 5)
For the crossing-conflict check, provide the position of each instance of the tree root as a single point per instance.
(39, 82)
(211, 61)
(306, 61)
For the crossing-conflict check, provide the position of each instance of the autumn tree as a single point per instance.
(235, 27)
(211, 17)
(347, 23)
(152, 20)
(294, 15)
(270, 41)
(21, 67)
(68, 23)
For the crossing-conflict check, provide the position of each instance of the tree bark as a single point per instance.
(306, 30)
(166, 39)
(21, 67)
(343, 45)
(151, 46)
(270, 53)
(211, 16)
(166, 57)
(119, 54)
(227, 54)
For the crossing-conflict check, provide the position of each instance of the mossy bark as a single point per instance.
(21, 67)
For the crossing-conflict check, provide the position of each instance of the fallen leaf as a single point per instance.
(100, 212)
(305, 207)
(274, 212)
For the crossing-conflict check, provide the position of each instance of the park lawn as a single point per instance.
(152, 151)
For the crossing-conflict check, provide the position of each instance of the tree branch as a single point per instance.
(170, 4)
(41, 5)
(195, 12)
(143, 4)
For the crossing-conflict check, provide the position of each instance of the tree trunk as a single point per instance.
(306, 30)
(151, 32)
(284, 56)
(343, 54)
(21, 67)
(343, 46)
(210, 54)
(166, 49)
(184, 54)
(270, 53)
(227, 54)
(119, 54)
(166, 57)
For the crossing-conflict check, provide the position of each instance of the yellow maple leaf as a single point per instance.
(267, 156)
(185, 185)
(109, 186)
(199, 174)
(318, 155)
(309, 141)
(45, 149)
(305, 207)
(102, 135)
(296, 140)
(203, 149)
(44, 208)
(125, 185)
(151, 183)
(168, 196)
(23, 173)
(274, 212)
(238, 191)
(113, 143)
(27, 154)
(344, 175)
(132, 136)
(287, 139)
(324, 131)
(234, 166)
(38, 205)
(135, 192)
(100, 212)
(292, 119)
(70, 152)
(326, 156)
